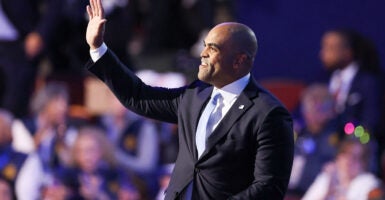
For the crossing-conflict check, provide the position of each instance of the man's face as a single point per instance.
(217, 58)
(56, 110)
(334, 53)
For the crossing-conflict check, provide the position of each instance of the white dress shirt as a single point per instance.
(230, 93)
(96, 54)
(341, 81)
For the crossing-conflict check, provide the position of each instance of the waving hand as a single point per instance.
(95, 28)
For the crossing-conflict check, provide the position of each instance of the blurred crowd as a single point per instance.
(53, 145)
(339, 133)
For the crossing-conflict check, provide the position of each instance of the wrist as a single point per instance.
(98, 52)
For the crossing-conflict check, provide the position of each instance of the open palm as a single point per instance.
(95, 28)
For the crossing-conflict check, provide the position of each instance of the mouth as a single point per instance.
(203, 64)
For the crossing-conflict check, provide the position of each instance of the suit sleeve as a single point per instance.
(371, 97)
(153, 102)
(273, 159)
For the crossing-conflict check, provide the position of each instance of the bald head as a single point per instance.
(228, 55)
(241, 37)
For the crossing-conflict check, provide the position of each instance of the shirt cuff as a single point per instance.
(96, 54)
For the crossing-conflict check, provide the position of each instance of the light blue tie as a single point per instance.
(210, 116)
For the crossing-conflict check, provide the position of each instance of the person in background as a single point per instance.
(21, 171)
(355, 83)
(130, 191)
(136, 141)
(47, 131)
(355, 80)
(26, 31)
(68, 52)
(164, 180)
(347, 177)
(93, 173)
(168, 133)
(317, 141)
(54, 191)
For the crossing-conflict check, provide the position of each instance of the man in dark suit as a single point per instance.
(355, 79)
(249, 153)
(355, 83)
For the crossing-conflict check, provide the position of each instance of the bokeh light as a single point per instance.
(349, 128)
(359, 131)
(365, 138)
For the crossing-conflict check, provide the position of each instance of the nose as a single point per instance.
(204, 52)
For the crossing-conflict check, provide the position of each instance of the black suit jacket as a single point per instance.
(248, 156)
(363, 103)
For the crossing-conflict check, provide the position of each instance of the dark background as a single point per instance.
(289, 32)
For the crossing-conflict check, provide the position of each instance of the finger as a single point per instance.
(103, 21)
(96, 11)
(93, 8)
(100, 8)
(101, 25)
(89, 11)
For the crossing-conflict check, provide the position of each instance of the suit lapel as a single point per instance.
(240, 107)
(199, 103)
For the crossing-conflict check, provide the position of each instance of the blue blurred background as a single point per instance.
(289, 32)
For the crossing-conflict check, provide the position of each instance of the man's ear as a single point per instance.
(240, 60)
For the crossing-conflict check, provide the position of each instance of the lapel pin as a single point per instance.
(241, 106)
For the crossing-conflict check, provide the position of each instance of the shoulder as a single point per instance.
(197, 85)
(366, 79)
(362, 185)
(264, 100)
(367, 179)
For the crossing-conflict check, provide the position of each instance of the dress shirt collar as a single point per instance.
(232, 90)
(349, 72)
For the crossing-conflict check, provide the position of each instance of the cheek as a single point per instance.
(327, 56)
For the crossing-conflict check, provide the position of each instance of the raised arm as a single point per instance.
(152, 102)
(96, 24)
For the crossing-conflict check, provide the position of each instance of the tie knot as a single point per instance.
(217, 98)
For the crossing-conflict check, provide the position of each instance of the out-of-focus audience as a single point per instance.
(23, 40)
(136, 141)
(347, 177)
(316, 141)
(6, 189)
(68, 52)
(21, 174)
(47, 131)
(164, 180)
(93, 173)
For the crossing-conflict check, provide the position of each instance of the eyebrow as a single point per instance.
(211, 45)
